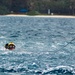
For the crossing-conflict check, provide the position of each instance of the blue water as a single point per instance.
(44, 46)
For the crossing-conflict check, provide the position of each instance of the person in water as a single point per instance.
(10, 46)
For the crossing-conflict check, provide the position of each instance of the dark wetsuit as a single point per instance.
(6, 46)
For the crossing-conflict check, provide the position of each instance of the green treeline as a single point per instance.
(65, 7)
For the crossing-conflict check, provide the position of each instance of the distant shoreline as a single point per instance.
(54, 16)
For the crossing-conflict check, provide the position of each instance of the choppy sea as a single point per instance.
(44, 46)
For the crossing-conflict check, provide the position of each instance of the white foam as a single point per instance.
(2, 37)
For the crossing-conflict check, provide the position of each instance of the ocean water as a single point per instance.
(44, 46)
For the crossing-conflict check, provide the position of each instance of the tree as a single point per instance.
(18, 4)
(72, 6)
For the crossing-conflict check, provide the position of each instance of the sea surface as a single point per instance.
(44, 45)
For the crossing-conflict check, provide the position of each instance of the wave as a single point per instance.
(12, 70)
(1, 37)
(60, 70)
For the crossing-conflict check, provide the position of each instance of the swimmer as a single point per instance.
(10, 46)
